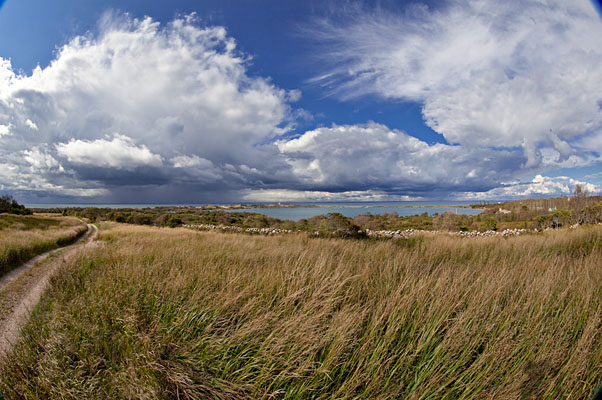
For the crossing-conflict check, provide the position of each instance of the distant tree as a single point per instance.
(591, 214)
(562, 218)
(448, 221)
(10, 205)
(556, 219)
(579, 201)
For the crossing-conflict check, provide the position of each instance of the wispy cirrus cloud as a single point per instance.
(517, 74)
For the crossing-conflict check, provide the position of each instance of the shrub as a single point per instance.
(491, 224)
(336, 225)
(10, 205)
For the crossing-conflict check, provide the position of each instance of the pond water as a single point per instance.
(295, 214)
(348, 209)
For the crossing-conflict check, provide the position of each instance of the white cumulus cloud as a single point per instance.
(4, 130)
(41, 161)
(537, 187)
(31, 124)
(191, 161)
(374, 157)
(120, 152)
(168, 90)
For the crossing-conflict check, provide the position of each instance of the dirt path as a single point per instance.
(21, 306)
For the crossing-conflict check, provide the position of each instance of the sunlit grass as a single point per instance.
(22, 237)
(172, 313)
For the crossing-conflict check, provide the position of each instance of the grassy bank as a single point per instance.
(23, 237)
(172, 313)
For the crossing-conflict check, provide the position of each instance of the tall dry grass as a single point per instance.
(159, 313)
(23, 237)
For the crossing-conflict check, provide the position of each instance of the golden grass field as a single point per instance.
(22, 237)
(158, 313)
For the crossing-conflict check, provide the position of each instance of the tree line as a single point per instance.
(9, 205)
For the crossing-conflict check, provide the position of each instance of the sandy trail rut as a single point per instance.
(11, 325)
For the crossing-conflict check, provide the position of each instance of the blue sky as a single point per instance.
(187, 101)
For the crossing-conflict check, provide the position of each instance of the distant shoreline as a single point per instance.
(244, 206)
(217, 207)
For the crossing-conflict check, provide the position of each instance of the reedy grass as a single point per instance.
(23, 237)
(160, 313)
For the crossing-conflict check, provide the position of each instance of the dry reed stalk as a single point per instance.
(161, 313)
